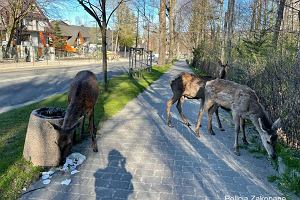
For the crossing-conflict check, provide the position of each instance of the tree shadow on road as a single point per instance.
(120, 184)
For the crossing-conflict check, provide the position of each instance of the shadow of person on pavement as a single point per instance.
(113, 182)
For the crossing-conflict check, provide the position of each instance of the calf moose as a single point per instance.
(82, 98)
(190, 86)
(244, 104)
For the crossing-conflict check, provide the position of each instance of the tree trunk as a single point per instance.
(103, 26)
(116, 45)
(278, 22)
(171, 27)
(223, 53)
(265, 13)
(258, 21)
(112, 40)
(11, 35)
(253, 19)
(104, 57)
(230, 29)
(271, 23)
(162, 32)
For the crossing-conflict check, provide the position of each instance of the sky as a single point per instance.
(71, 12)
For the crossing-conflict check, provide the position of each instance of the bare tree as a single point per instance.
(162, 32)
(230, 15)
(12, 12)
(278, 22)
(171, 8)
(98, 11)
(253, 19)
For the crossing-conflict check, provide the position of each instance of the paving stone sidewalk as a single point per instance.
(141, 158)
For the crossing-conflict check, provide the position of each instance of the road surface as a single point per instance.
(23, 87)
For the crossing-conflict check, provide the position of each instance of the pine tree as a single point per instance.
(58, 41)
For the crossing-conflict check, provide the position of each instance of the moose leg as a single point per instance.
(82, 128)
(236, 120)
(204, 108)
(179, 108)
(92, 130)
(199, 119)
(211, 111)
(242, 122)
(218, 120)
(170, 102)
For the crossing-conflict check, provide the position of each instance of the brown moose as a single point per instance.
(190, 86)
(82, 98)
(244, 104)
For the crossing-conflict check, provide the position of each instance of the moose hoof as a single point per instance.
(95, 147)
(197, 134)
(212, 133)
(186, 123)
(170, 125)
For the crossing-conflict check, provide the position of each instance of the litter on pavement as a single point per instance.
(72, 161)
(66, 182)
(46, 182)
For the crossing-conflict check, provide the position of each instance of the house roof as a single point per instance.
(72, 31)
(37, 14)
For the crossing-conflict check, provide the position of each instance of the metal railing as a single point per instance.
(139, 61)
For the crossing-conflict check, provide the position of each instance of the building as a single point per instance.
(80, 39)
(32, 32)
(77, 37)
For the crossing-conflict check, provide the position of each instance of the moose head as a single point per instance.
(269, 136)
(224, 68)
(65, 139)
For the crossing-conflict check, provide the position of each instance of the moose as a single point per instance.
(190, 86)
(83, 95)
(244, 104)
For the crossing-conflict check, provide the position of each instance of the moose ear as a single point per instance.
(56, 127)
(277, 124)
(261, 124)
(227, 64)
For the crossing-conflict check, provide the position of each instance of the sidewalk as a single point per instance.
(23, 66)
(141, 158)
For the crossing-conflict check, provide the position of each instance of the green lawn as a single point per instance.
(15, 172)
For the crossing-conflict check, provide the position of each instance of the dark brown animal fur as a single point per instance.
(82, 98)
(190, 86)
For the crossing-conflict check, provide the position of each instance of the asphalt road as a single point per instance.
(27, 86)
